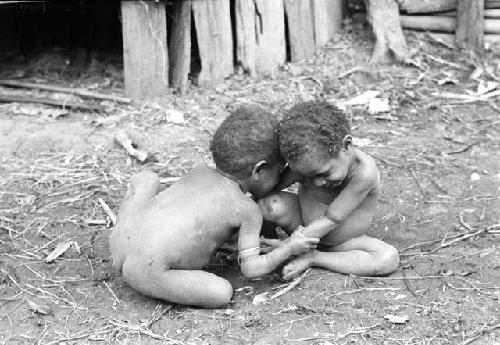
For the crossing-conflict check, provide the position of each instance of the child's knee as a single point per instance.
(388, 260)
(222, 296)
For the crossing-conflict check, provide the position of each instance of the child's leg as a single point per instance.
(143, 187)
(363, 256)
(282, 209)
(188, 287)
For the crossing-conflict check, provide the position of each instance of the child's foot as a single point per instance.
(297, 266)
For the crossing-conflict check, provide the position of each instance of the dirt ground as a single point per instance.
(440, 162)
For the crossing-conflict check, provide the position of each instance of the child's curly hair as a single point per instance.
(312, 124)
(247, 136)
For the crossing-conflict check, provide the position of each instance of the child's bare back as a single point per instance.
(178, 229)
(162, 240)
(196, 225)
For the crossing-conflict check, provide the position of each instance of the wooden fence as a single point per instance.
(252, 34)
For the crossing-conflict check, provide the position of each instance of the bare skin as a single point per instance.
(337, 200)
(162, 240)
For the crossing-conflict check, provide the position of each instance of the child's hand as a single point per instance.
(271, 242)
(301, 244)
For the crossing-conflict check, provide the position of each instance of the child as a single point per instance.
(337, 197)
(163, 239)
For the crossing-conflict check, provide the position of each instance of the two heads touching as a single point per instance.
(163, 239)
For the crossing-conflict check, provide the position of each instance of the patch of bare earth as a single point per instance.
(440, 207)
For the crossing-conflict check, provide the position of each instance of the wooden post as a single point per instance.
(180, 45)
(212, 21)
(300, 29)
(245, 34)
(390, 44)
(470, 25)
(327, 20)
(145, 53)
(270, 35)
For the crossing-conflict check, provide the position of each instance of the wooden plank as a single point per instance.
(443, 24)
(180, 46)
(426, 6)
(212, 21)
(270, 35)
(300, 29)
(450, 38)
(488, 13)
(327, 16)
(145, 53)
(470, 25)
(430, 23)
(245, 34)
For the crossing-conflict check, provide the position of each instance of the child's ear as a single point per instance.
(258, 168)
(347, 141)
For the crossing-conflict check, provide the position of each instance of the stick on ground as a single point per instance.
(49, 101)
(293, 284)
(72, 91)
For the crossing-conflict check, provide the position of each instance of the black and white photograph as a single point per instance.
(250, 172)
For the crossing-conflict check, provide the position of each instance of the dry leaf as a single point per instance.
(397, 319)
(362, 99)
(60, 250)
(260, 298)
(378, 105)
(174, 116)
(39, 308)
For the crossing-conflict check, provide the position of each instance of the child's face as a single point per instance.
(267, 179)
(322, 168)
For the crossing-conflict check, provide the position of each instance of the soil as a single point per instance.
(440, 162)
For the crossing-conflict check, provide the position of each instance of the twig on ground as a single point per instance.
(143, 330)
(72, 91)
(461, 238)
(50, 101)
(354, 70)
(457, 238)
(293, 284)
(80, 335)
(463, 223)
(363, 289)
(418, 184)
(464, 149)
(333, 338)
(107, 210)
(112, 292)
(407, 284)
(480, 333)
(160, 310)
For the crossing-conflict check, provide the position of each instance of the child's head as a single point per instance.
(315, 140)
(246, 147)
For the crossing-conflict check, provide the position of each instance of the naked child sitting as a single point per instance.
(338, 190)
(162, 240)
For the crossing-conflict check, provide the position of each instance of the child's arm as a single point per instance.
(254, 265)
(347, 201)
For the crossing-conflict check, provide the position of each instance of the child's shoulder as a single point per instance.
(366, 168)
